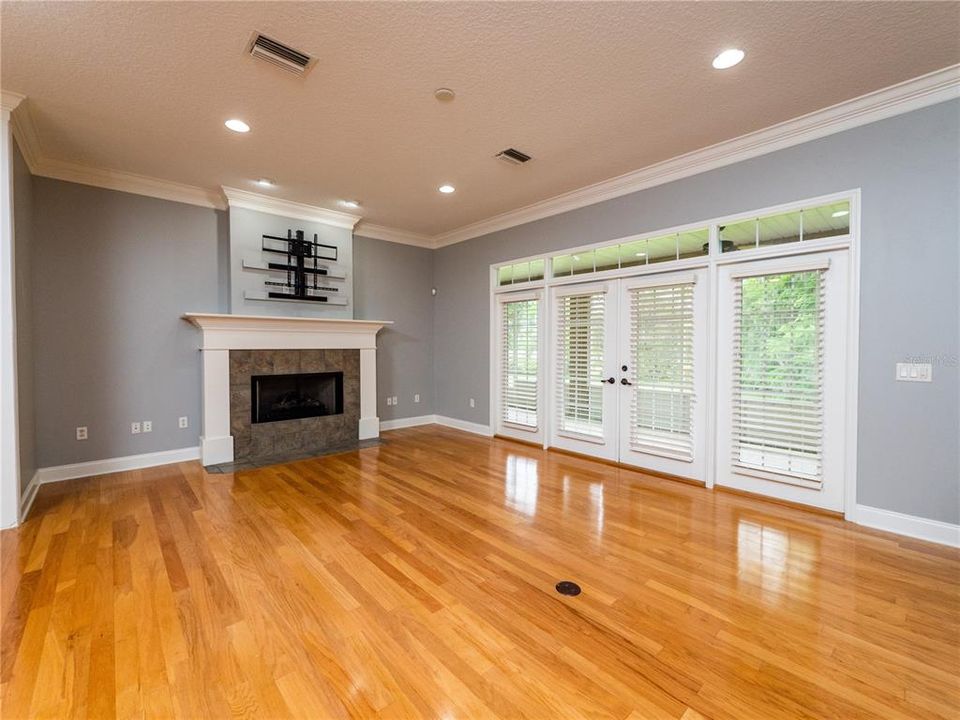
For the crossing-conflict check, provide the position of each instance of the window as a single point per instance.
(519, 362)
(580, 354)
(520, 272)
(778, 375)
(661, 337)
(788, 227)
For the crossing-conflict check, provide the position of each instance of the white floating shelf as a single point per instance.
(332, 299)
(335, 271)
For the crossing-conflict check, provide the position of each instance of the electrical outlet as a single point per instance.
(394, 399)
(416, 398)
(473, 403)
(147, 425)
(183, 422)
(914, 372)
(82, 432)
(389, 400)
(135, 428)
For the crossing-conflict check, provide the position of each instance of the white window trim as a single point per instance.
(712, 261)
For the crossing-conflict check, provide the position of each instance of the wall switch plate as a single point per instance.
(914, 372)
(147, 425)
(82, 432)
(416, 398)
(183, 422)
(135, 428)
(389, 400)
(394, 399)
(473, 403)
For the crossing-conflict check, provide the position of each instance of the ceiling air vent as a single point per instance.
(283, 56)
(513, 156)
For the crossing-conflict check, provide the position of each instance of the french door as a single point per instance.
(584, 372)
(629, 371)
(781, 377)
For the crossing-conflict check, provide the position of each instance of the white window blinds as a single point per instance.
(519, 368)
(778, 375)
(580, 348)
(662, 396)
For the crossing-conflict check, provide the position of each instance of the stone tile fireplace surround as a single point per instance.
(253, 442)
(235, 347)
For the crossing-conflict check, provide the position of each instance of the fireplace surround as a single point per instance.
(259, 340)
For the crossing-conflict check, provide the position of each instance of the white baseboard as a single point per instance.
(399, 423)
(29, 495)
(910, 525)
(102, 467)
(470, 427)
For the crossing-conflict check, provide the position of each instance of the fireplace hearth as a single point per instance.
(295, 396)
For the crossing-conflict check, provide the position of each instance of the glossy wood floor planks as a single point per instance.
(416, 579)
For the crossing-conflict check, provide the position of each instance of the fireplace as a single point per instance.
(295, 396)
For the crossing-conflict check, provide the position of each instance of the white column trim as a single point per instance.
(369, 422)
(9, 418)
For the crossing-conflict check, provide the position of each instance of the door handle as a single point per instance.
(610, 380)
(624, 381)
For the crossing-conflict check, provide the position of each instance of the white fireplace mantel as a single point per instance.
(223, 333)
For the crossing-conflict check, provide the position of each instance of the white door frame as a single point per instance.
(713, 262)
(831, 494)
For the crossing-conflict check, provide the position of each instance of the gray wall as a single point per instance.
(247, 228)
(112, 274)
(908, 169)
(23, 246)
(393, 282)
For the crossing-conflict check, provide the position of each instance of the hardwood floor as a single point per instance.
(416, 579)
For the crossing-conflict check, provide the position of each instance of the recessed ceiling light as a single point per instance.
(446, 189)
(237, 125)
(728, 58)
(352, 204)
(444, 94)
(265, 182)
(840, 213)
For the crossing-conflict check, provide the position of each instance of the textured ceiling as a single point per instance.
(591, 90)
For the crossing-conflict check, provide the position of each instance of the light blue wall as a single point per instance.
(908, 168)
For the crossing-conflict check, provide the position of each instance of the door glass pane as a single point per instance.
(661, 340)
(519, 362)
(580, 354)
(778, 374)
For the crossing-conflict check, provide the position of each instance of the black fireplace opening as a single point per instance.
(291, 397)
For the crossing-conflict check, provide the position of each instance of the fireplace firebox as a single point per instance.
(292, 397)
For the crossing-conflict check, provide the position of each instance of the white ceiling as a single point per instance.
(590, 90)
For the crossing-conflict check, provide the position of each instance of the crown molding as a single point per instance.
(382, 232)
(287, 208)
(930, 89)
(130, 182)
(25, 133)
(926, 90)
(10, 100)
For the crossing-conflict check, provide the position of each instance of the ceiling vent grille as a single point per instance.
(283, 56)
(513, 156)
